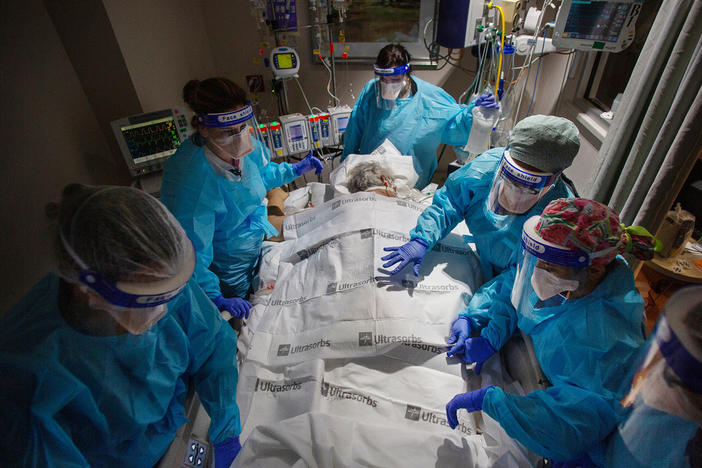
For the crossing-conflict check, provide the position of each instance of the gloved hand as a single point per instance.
(225, 452)
(487, 100)
(307, 164)
(478, 350)
(460, 332)
(471, 401)
(413, 251)
(238, 307)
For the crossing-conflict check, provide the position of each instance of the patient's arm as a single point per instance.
(276, 214)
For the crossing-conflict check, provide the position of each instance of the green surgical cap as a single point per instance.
(546, 142)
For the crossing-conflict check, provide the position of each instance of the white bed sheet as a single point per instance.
(341, 365)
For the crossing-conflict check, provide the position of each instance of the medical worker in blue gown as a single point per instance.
(414, 115)
(662, 420)
(96, 359)
(215, 184)
(494, 194)
(575, 297)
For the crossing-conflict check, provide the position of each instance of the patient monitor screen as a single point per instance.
(598, 21)
(151, 140)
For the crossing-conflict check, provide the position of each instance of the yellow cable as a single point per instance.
(502, 46)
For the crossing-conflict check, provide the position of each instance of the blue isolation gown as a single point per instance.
(76, 400)
(650, 437)
(225, 219)
(416, 125)
(585, 347)
(497, 237)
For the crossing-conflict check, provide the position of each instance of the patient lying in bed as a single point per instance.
(390, 175)
(341, 365)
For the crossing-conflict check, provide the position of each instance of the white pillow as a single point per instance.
(387, 155)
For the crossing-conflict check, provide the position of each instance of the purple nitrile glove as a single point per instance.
(225, 452)
(487, 100)
(478, 350)
(460, 332)
(470, 401)
(238, 307)
(307, 164)
(411, 252)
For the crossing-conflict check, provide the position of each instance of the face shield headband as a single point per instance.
(533, 243)
(226, 119)
(684, 364)
(401, 70)
(131, 295)
(530, 180)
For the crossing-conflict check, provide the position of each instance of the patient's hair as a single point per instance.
(366, 175)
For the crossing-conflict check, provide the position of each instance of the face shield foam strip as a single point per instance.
(684, 364)
(226, 119)
(402, 69)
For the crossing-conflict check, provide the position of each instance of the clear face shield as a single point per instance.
(136, 306)
(515, 189)
(665, 397)
(390, 84)
(230, 135)
(546, 272)
(669, 379)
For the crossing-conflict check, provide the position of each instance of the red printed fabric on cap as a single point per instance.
(590, 226)
(578, 223)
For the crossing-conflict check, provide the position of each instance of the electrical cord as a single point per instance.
(336, 99)
(304, 95)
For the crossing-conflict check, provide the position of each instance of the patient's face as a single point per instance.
(371, 177)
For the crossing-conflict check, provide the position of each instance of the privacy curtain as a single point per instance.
(656, 135)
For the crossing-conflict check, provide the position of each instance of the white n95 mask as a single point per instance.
(547, 285)
(390, 91)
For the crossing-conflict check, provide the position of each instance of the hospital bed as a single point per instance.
(342, 365)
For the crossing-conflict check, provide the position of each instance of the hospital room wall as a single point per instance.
(50, 137)
(164, 44)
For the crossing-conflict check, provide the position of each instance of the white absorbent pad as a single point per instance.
(334, 347)
(363, 210)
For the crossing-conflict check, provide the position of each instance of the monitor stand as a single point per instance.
(150, 184)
